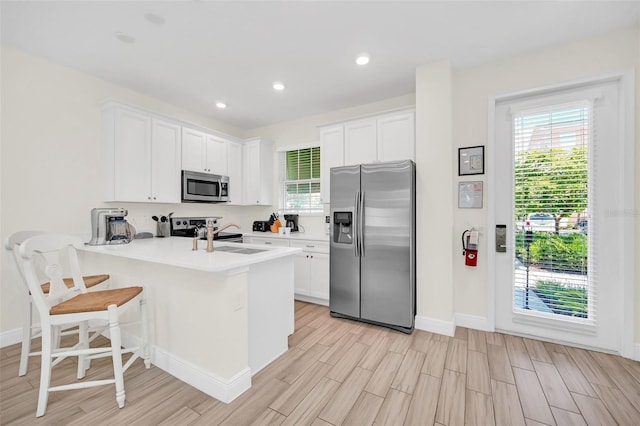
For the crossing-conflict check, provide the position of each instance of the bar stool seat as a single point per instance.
(95, 301)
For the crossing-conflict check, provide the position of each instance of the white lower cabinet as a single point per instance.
(311, 266)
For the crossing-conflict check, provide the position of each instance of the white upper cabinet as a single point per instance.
(193, 142)
(141, 157)
(331, 155)
(396, 137)
(257, 172)
(165, 161)
(384, 137)
(360, 142)
(234, 168)
(216, 155)
(203, 153)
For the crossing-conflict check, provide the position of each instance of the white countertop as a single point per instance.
(291, 236)
(176, 251)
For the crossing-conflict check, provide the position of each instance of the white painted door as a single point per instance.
(132, 179)
(396, 137)
(301, 273)
(525, 286)
(331, 155)
(360, 142)
(193, 143)
(234, 170)
(319, 275)
(216, 155)
(165, 162)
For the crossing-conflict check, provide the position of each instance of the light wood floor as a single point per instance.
(342, 372)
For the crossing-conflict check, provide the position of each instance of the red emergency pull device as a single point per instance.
(470, 247)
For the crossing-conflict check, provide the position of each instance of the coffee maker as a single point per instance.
(109, 226)
(291, 222)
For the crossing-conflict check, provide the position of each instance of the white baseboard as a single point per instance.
(432, 325)
(637, 352)
(315, 300)
(472, 321)
(225, 390)
(10, 337)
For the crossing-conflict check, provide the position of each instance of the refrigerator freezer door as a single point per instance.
(344, 266)
(387, 282)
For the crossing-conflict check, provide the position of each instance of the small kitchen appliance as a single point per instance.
(189, 226)
(260, 226)
(109, 226)
(291, 222)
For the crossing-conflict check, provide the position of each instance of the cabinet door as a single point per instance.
(360, 142)
(193, 147)
(216, 155)
(331, 155)
(251, 163)
(165, 162)
(319, 275)
(132, 166)
(301, 274)
(396, 137)
(234, 170)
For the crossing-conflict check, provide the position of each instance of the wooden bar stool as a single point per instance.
(51, 253)
(29, 331)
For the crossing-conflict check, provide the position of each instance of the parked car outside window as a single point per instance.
(540, 222)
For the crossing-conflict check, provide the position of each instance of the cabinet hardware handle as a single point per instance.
(312, 257)
(268, 242)
(148, 198)
(154, 198)
(310, 246)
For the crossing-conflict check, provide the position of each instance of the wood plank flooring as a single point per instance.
(342, 372)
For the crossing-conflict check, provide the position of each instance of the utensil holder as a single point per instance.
(163, 229)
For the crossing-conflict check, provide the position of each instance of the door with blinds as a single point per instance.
(558, 175)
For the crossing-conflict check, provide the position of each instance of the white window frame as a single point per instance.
(282, 181)
(626, 80)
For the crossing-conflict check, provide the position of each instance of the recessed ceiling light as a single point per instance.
(362, 59)
(125, 38)
(154, 18)
(278, 86)
(221, 105)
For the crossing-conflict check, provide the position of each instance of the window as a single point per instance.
(551, 180)
(300, 181)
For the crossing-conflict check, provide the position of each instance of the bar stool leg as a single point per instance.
(145, 331)
(45, 371)
(116, 343)
(26, 337)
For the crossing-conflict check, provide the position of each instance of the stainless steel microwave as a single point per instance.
(204, 188)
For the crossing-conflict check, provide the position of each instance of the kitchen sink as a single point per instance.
(238, 250)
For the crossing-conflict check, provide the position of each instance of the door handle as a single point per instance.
(361, 222)
(354, 225)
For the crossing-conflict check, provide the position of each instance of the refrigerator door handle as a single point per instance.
(354, 225)
(361, 223)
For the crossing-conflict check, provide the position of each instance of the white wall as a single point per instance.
(50, 155)
(472, 88)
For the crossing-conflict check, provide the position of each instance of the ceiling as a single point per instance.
(233, 51)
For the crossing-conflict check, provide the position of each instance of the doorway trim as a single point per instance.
(626, 81)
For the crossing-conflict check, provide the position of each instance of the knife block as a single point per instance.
(163, 230)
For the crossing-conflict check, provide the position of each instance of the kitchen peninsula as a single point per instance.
(216, 319)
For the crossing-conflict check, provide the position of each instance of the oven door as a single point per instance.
(204, 188)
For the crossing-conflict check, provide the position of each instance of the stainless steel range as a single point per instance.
(190, 226)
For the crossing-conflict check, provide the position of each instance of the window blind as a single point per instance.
(300, 181)
(553, 273)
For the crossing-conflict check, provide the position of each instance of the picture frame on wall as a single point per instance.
(470, 195)
(471, 160)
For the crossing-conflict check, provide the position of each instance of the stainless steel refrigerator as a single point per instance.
(373, 243)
